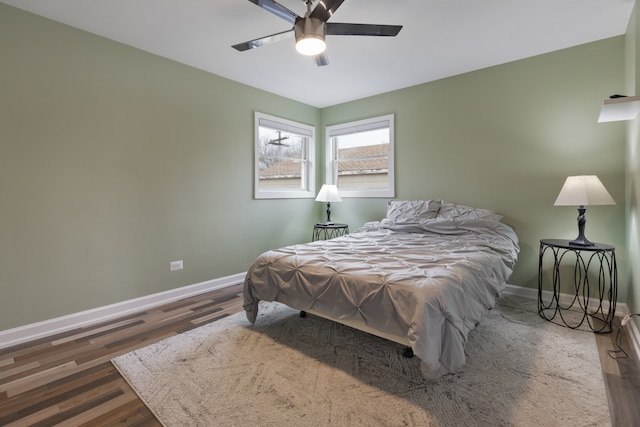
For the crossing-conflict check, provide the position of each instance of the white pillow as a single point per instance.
(452, 210)
(412, 210)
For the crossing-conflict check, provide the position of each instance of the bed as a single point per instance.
(422, 276)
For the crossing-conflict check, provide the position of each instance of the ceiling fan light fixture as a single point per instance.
(310, 45)
(310, 30)
(309, 34)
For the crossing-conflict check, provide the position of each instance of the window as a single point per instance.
(360, 157)
(284, 158)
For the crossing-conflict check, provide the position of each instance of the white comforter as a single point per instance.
(429, 281)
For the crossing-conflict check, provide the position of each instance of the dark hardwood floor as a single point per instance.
(68, 379)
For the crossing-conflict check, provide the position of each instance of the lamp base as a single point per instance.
(582, 220)
(328, 213)
(581, 241)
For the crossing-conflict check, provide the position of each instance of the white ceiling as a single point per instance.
(440, 38)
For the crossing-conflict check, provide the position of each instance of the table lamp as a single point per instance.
(328, 193)
(582, 191)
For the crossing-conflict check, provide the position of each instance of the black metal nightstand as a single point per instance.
(329, 230)
(587, 265)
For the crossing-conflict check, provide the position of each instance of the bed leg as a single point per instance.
(303, 314)
(407, 352)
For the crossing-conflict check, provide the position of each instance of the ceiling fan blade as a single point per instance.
(325, 9)
(321, 59)
(277, 9)
(340, 29)
(253, 44)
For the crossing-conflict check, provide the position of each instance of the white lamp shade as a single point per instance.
(328, 193)
(583, 190)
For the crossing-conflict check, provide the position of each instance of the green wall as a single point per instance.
(114, 162)
(505, 138)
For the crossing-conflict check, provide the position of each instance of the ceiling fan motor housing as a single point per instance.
(309, 28)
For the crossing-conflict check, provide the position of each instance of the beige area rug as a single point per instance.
(290, 371)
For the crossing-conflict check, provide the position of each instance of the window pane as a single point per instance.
(378, 137)
(280, 144)
(283, 174)
(363, 174)
(282, 158)
(280, 162)
(360, 157)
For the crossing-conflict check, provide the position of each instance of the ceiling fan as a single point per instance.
(310, 30)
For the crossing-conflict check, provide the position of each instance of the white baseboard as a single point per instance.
(530, 293)
(522, 292)
(634, 337)
(33, 331)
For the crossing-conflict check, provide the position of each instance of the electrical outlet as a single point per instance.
(175, 265)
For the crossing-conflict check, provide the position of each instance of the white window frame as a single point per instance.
(354, 127)
(308, 174)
